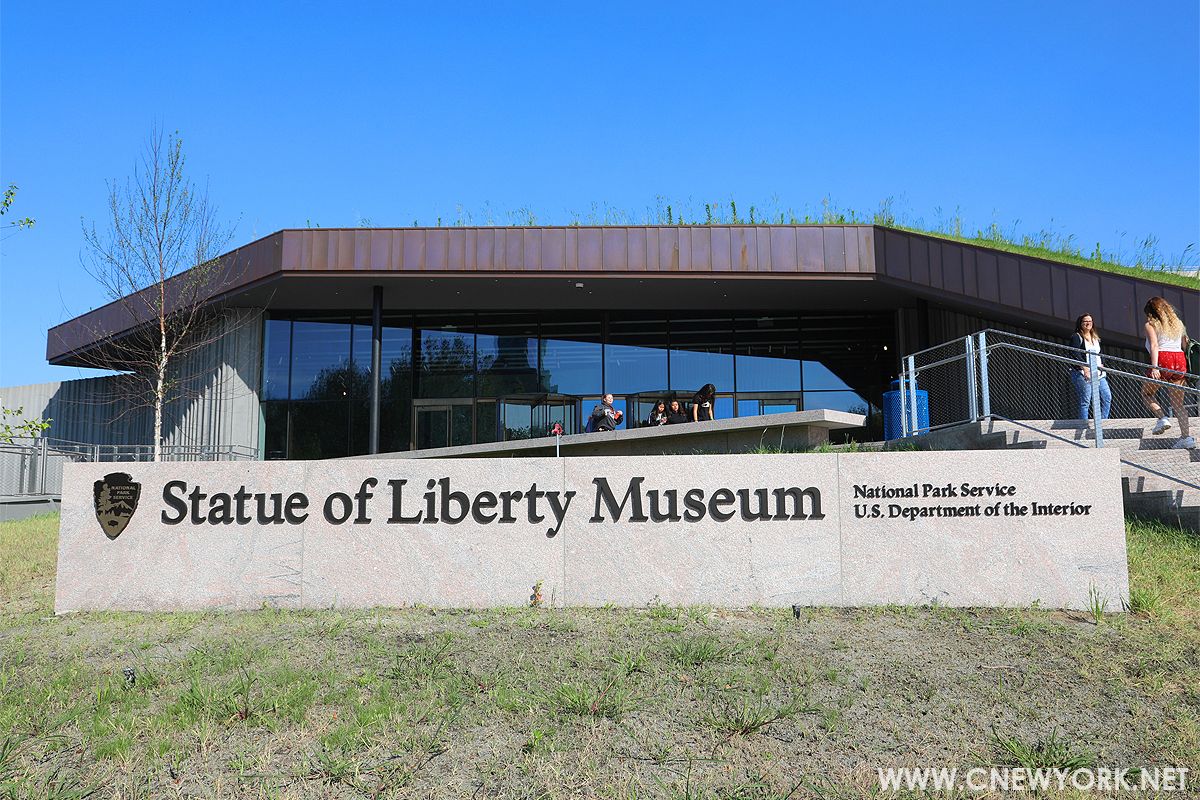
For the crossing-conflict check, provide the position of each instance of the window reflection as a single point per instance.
(506, 354)
(701, 352)
(571, 355)
(445, 358)
(277, 358)
(321, 368)
(635, 357)
(768, 354)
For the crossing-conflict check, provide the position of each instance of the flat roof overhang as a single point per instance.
(778, 268)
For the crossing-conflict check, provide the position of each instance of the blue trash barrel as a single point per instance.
(893, 406)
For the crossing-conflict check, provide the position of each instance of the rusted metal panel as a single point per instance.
(1117, 295)
(868, 250)
(918, 260)
(1084, 290)
(719, 242)
(1058, 293)
(485, 250)
(952, 269)
(319, 257)
(701, 255)
(456, 249)
(470, 249)
(1037, 293)
(341, 253)
(850, 238)
(590, 254)
(514, 248)
(381, 250)
(437, 243)
(636, 258)
(531, 250)
(414, 249)
(743, 250)
(615, 249)
(552, 245)
(987, 273)
(834, 249)
(571, 250)
(362, 249)
(762, 241)
(937, 278)
(1008, 276)
(810, 249)
(896, 258)
(783, 249)
(685, 250)
(653, 253)
(668, 249)
(293, 250)
(970, 273)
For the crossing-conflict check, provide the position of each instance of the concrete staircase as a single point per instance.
(1157, 481)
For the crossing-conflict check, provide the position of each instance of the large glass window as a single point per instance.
(571, 355)
(445, 357)
(701, 352)
(321, 368)
(395, 384)
(635, 357)
(768, 354)
(319, 430)
(277, 358)
(506, 348)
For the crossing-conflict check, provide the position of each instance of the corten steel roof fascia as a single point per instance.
(239, 269)
(1052, 292)
(977, 276)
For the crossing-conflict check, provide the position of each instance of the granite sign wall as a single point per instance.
(955, 528)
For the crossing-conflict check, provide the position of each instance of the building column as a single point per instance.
(376, 364)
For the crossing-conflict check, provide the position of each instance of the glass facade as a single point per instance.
(453, 379)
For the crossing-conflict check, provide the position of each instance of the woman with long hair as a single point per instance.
(675, 413)
(659, 415)
(1166, 343)
(704, 403)
(1088, 341)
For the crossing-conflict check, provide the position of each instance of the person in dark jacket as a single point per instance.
(1086, 340)
(604, 416)
(676, 414)
(703, 403)
(659, 415)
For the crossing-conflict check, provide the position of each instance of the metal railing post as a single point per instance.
(42, 460)
(1094, 380)
(972, 399)
(985, 390)
(904, 433)
(912, 394)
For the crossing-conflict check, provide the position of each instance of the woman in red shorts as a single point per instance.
(1165, 338)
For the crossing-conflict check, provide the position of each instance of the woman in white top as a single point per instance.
(1165, 338)
(1087, 340)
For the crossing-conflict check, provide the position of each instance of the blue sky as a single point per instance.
(1079, 117)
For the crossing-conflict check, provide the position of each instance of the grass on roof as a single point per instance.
(1142, 259)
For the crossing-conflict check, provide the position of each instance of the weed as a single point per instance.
(1097, 604)
(743, 717)
(1052, 753)
(1144, 600)
(697, 650)
(630, 662)
(610, 701)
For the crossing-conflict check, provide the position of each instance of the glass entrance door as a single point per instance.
(441, 423)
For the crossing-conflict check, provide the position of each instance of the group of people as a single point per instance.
(1167, 345)
(606, 418)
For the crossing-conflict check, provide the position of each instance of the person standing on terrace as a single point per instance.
(1166, 341)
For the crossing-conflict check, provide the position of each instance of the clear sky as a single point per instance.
(1080, 117)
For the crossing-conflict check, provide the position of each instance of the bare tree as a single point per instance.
(157, 257)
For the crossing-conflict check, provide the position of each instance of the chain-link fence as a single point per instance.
(1057, 390)
(34, 465)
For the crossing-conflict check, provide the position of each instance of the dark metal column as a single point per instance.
(376, 364)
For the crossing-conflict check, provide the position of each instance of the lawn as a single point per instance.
(530, 702)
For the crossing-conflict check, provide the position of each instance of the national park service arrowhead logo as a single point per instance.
(116, 499)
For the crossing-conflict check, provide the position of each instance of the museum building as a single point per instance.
(357, 341)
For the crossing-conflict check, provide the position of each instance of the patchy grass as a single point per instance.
(533, 702)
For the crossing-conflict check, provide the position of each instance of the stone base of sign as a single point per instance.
(860, 529)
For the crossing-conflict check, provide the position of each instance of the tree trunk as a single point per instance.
(159, 392)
